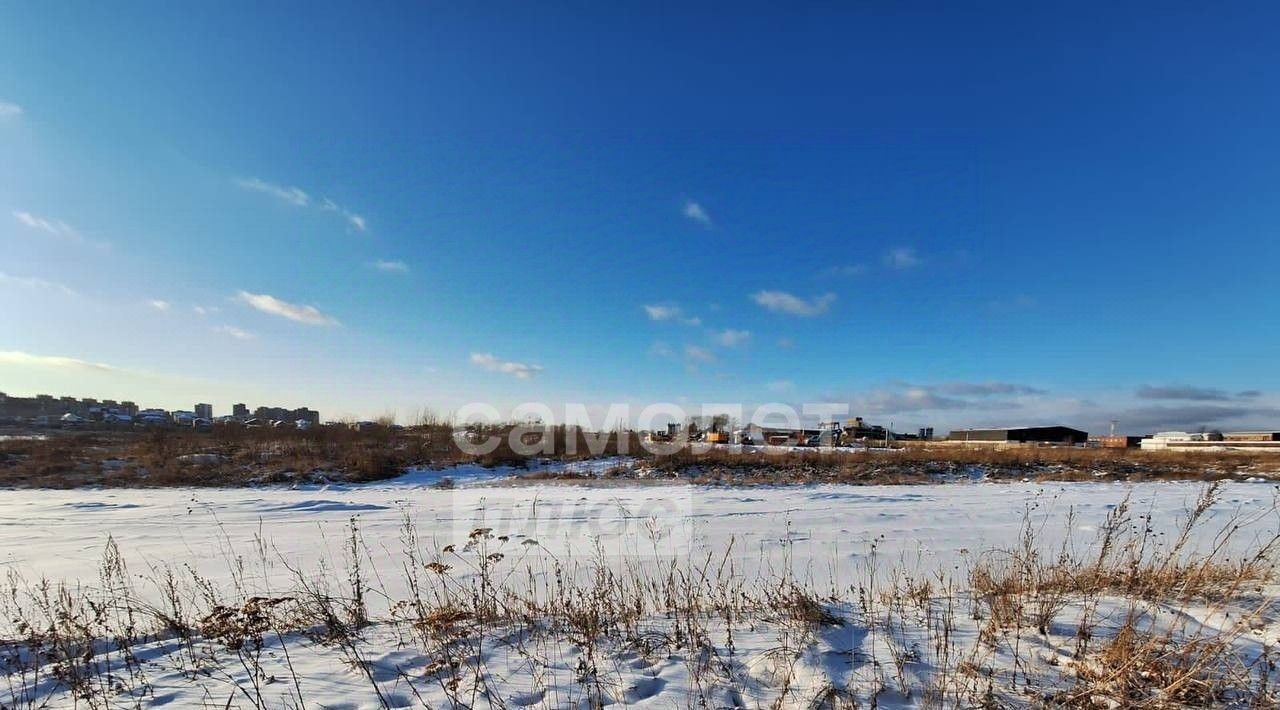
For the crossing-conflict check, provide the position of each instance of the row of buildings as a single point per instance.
(858, 432)
(1161, 441)
(45, 409)
(43, 405)
(240, 413)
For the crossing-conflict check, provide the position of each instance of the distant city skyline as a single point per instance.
(935, 216)
(44, 403)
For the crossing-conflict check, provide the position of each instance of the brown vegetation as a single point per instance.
(234, 455)
(1130, 623)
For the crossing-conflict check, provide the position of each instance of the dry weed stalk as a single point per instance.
(1136, 619)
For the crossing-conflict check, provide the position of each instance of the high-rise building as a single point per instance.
(239, 411)
(204, 411)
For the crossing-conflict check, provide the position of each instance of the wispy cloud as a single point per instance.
(1194, 416)
(987, 389)
(661, 349)
(17, 357)
(847, 270)
(980, 397)
(902, 258)
(294, 312)
(64, 364)
(913, 399)
(783, 302)
(33, 282)
(1184, 392)
(786, 343)
(695, 354)
(296, 196)
(204, 310)
(670, 313)
(1003, 403)
(291, 195)
(731, 338)
(781, 386)
(56, 228)
(518, 370)
(356, 221)
(234, 332)
(390, 267)
(9, 109)
(159, 305)
(697, 213)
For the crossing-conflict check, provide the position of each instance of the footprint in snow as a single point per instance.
(644, 689)
(527, 699)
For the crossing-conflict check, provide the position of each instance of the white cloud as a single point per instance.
(671, 313)
(292, 195)
(661, 349)
(17, 357)
(356, 221)
(390, 267)
(848, 270)
(56, 227)
(696, 212)
(902, 258)
(294, 312)
(35, 283)
(518, 370)
(205, 310)
(693, 353)
(234, 332)
(9, 109)
(298, 197)
(65, 366)
(661, 312)
(160, 305)
(731, 338)
(781, 386)
(783, 302)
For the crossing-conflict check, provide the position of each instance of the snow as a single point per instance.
(824, 534)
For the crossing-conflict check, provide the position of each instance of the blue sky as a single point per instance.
(939, 215)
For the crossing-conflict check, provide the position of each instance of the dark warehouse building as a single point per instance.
(1022, 435)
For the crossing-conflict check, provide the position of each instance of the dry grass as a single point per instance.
(241, 456)
(923, 464)
(1134, 610)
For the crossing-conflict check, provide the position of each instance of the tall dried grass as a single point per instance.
(1134, 620)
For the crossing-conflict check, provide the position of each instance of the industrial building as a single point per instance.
(1021, 435)
(1213, 441)
(1116, 441)
(1251, 436)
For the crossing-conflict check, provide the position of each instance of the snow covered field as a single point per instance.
(823, 539)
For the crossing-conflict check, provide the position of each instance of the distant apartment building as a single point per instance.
(270, 413)
(204, 411)
(43, 405)
(240, 411)
(287, 415)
